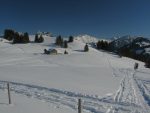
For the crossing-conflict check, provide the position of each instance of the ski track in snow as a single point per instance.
(127, 92)
(145, 91)
(133, 91)
(64, 98)
(130, 92)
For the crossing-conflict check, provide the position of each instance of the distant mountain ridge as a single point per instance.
(134, 47)
(127, 41)
(122, 41)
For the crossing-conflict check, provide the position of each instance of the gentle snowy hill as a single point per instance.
(86, 39)
(53, 83)
(89, 39)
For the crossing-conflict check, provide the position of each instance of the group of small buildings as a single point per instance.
(53, 52)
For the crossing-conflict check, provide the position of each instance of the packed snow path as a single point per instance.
(132, 91)
(125, 101)
(127, 91)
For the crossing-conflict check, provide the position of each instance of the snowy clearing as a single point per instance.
(53, 83)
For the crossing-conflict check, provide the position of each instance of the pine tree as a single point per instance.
(41, 39)
(36, 38)
(86, 48)
(65, 44)
(16, 38)
(25, 38)
(70, 39)
(65, 52)
(102, 45)
(98, 45)
(59, 41)
(9, 34)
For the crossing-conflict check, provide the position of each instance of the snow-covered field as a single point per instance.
(53, 83)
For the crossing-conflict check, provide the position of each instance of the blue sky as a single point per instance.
(101, 18)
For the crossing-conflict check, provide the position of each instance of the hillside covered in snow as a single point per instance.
(43, 83)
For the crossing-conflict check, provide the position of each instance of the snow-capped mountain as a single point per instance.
(142, 42)
(127, 41)
(122, 41)
(134, 47)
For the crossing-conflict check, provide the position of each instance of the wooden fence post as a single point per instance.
(79, 106)
(9, 97)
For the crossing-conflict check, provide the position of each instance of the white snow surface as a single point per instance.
(89, 39)
(42, 83)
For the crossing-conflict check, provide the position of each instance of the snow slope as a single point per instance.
(86, 38)
(24, 104)
(105, 82)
